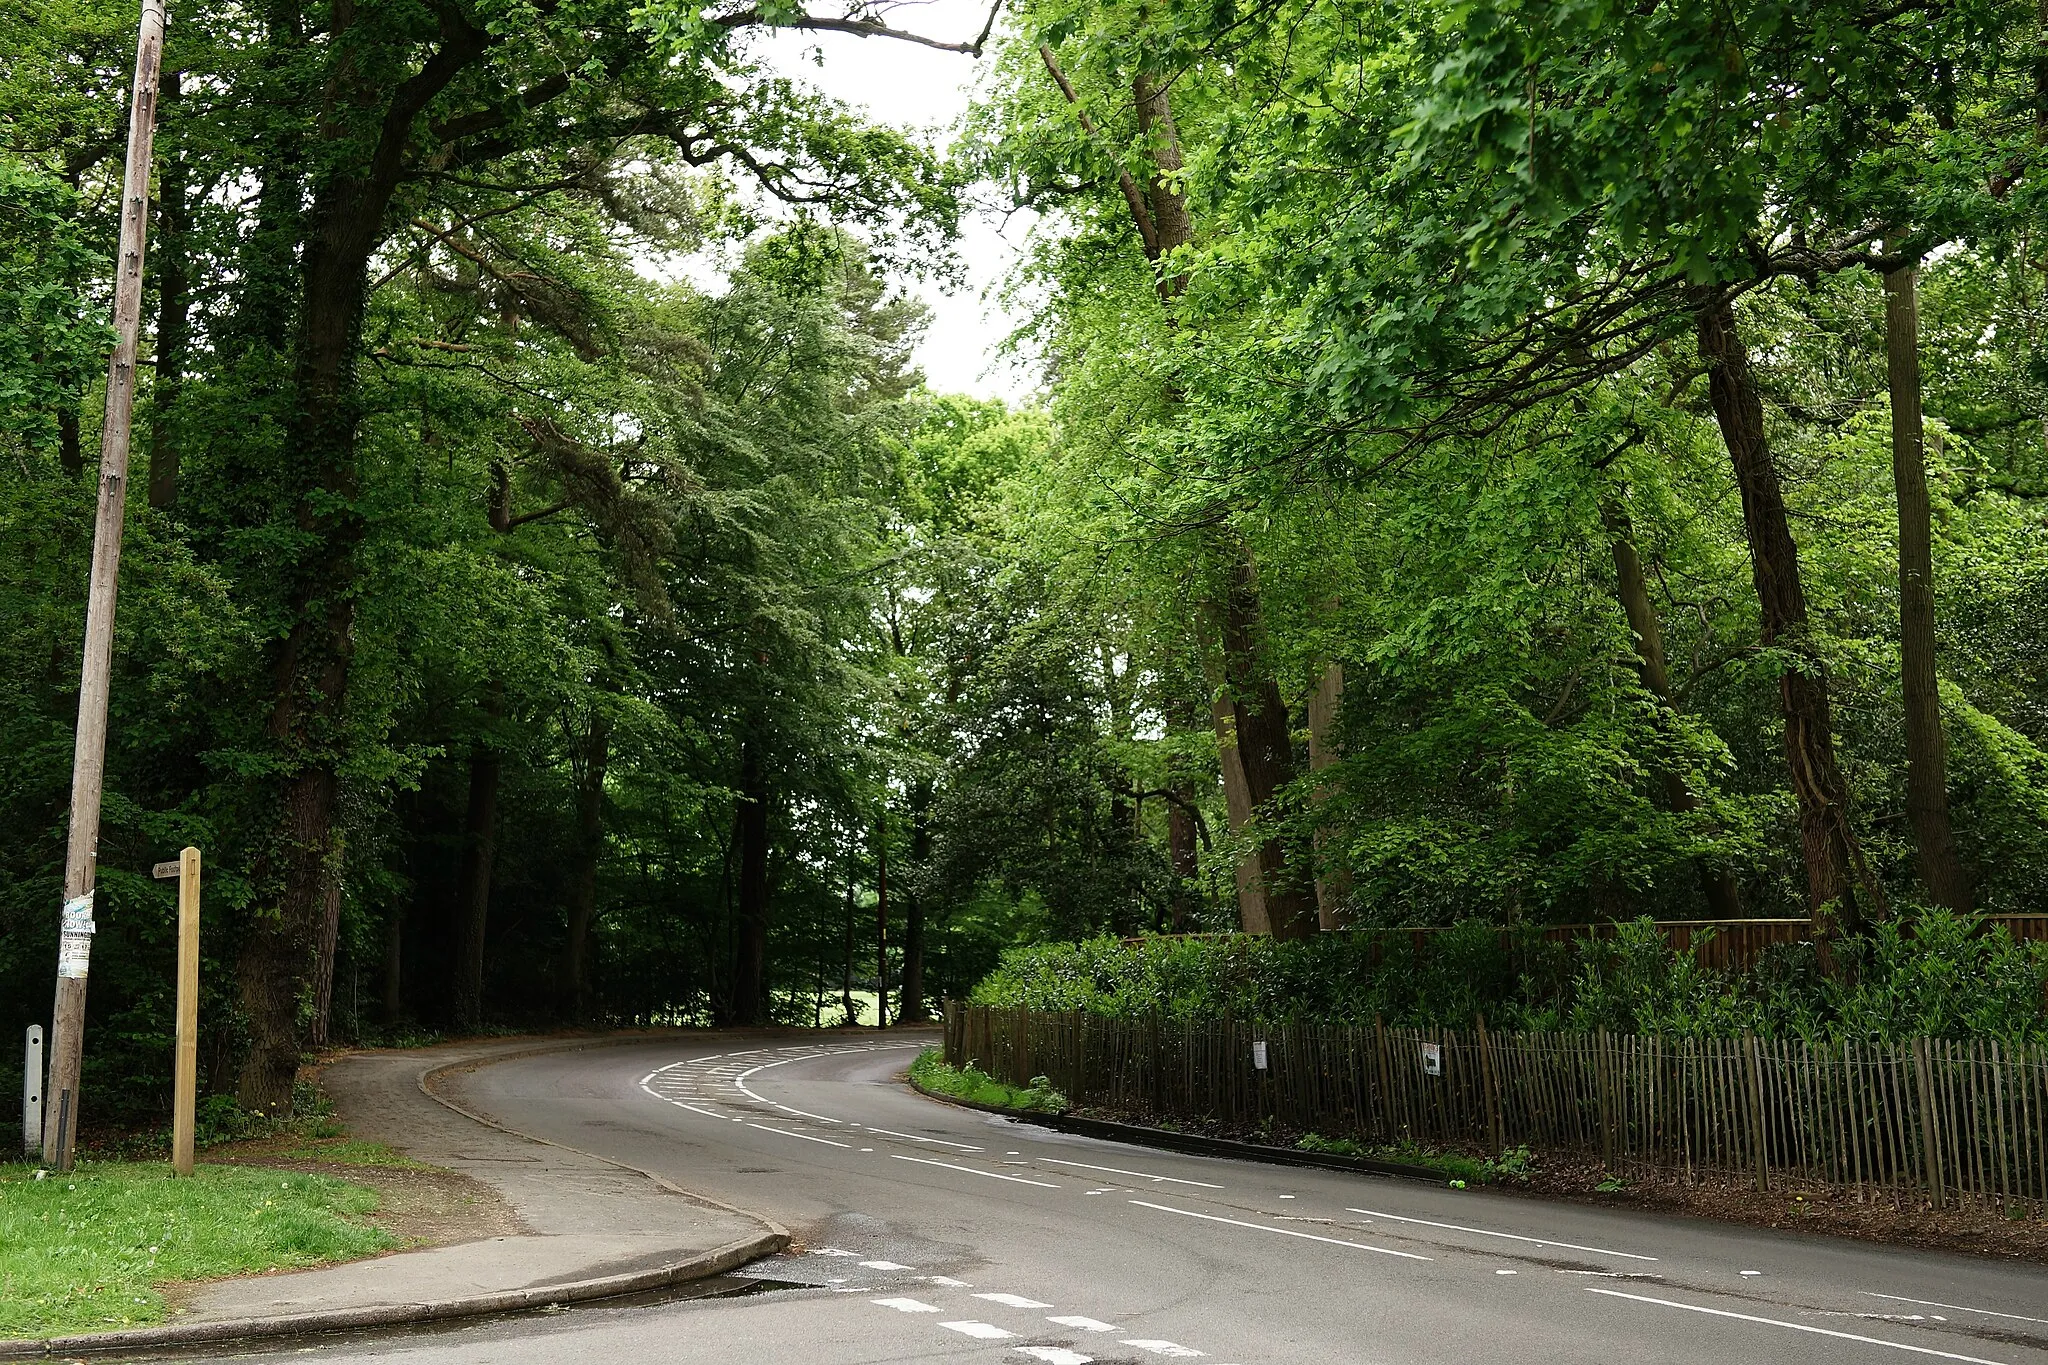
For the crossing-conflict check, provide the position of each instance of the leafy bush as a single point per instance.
(1931, 974)
(971, 1083)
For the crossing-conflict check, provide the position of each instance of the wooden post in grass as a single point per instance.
(88, 763)
(185, 1089)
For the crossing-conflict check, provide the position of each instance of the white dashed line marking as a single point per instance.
(1795, 1327)
(805, 1136)
(987, 1331)
(1055, 1355)
(884, 1265)
(913, 1137)
(1284, 1232)
(1953, 1307)
(1510, 1236)
(904, 1305)
(949, 1282)
(1013, 1300)
(1165, 1348)
(969, 1170)
(1081, 1324)
(1139, 1175)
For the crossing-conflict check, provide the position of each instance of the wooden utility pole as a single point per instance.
(88, 763)
(185, 1086)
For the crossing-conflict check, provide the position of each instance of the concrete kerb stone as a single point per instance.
(703, 1265)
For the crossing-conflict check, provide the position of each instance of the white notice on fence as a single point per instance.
(1432, 1059)
(1259, 1054)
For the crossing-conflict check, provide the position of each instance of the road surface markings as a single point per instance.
(1013, 1300)
(904, 1305)
(1140, 1175)
(1795, 1326)
(987, 1331)
(1082, 1324)
(969, 1170)
(1512, 1237)
(832, 1251)
(805, 1136)
(949, 1282)
(1284, 1232)
(885, 1265)
(913, 1137)
(1055, 1355)
(740, 1084)
(1165, 1348)
(1956, 1307)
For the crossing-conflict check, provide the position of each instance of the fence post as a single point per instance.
(1758, 1146)
(1600, 1080)
(1930, 1131)
(1489, 1083)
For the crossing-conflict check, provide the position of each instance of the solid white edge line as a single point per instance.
(1284, 1232)
(992, 1175)
(805, 1136)
(1795, 1326)
(1140, 1175)
(1511, 1236)
(1955, 1307)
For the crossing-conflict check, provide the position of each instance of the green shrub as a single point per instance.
(1947, 978)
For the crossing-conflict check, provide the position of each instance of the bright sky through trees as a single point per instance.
(904, 85)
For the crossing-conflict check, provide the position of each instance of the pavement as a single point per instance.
(929, 1233)
(594, 1228)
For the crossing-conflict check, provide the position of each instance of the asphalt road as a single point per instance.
(930, 1233)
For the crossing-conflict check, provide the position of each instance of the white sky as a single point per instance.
(908, 86)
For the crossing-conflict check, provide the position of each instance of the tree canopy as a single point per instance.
(1520, 461)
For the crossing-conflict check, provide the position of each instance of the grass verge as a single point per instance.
(972, 1083)
(1512, 1167)
(90, 1250)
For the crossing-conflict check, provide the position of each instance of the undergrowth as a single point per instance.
(1946, 978)
(972, 1083)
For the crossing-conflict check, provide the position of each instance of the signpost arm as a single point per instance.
(88, 763)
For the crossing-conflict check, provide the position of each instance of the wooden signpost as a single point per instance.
(185, 1090)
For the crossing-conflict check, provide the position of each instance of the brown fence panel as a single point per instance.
(1935, 1118)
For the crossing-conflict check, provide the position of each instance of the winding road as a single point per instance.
(931, 1233)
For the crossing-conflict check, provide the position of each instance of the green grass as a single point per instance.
(89, 1250)
(1511, 1167)
(972, 1083)
(346, 1152)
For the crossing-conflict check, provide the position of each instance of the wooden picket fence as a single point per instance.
(1936, 1119)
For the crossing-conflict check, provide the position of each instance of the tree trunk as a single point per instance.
(1182, 855)
(913, 1010)
(1836, 875)
(882, 922)
(589, 853)
(1941, 869)
(473, 885)
(1724, 899)
(70, 446)
(394, 966)
(325, 952)
(276, 959)
(846, 981)
(173, 320)
(1264, 743)
(750, 958)
(1333, 882)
